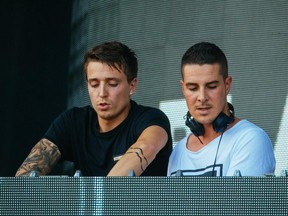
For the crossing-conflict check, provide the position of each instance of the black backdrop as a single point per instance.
(35, 37)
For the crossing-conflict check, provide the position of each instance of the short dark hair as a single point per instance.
(116, 55)
(205, 53)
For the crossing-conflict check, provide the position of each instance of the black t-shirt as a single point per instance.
(76, 133)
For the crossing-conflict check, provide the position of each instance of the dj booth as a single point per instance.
(56, 195)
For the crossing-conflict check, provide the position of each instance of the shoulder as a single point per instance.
(247, 132)
(81, 110)
(148, 116)
(78, 111)
(77, 114)
(140, 110)
(245, 126)
(142, 117)
(178, 151)
(179, 146)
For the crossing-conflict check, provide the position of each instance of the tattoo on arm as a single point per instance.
(42, 158)
(141, 151)
(139, 156)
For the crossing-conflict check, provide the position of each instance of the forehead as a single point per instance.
(101, 70)
(203, 72)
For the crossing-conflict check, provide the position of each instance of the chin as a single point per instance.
(205, 121)
(103, 115)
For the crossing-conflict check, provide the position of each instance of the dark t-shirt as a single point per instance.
(76, 133)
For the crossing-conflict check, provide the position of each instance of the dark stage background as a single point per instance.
(35, 38)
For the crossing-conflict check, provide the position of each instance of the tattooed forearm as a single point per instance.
(139, 155)
(42, 158)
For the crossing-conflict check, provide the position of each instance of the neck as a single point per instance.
(107, 124)
(209, 135)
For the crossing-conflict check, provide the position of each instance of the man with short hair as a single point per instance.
(220, 144)
(113, 137)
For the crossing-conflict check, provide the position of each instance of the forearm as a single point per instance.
(42, 158)
(142, 153)
(134, 159)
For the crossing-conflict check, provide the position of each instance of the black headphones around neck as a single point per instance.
(219, 124)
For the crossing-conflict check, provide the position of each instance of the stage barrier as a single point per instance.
(56, 195)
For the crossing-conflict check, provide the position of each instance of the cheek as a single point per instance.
(122, 94)
(224, 93)
(92, 92)
(189, 95)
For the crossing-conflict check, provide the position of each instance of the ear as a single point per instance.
(133, 85)
(228, 84)
(182, 85)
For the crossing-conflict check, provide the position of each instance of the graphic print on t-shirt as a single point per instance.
(206, 171)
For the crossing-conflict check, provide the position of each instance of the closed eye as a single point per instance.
(212, 87)
(94, 84)
(113, 84)
(191, 87)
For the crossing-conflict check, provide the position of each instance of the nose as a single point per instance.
(202, 96)
(102, 90)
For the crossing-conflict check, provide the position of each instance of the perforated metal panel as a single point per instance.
(144, 196)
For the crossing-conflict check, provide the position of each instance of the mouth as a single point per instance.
(103, 106)
(203, 110)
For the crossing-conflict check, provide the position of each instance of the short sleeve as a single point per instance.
(148, 118)
(60, 132)
(254, 156)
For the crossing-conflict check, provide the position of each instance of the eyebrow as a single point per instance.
(209, 83)
(213, 82)
(106, 79)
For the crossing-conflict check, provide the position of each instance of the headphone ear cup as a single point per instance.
(222, 121)
(196, 128)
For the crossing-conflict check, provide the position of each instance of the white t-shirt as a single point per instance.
(244, 147)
